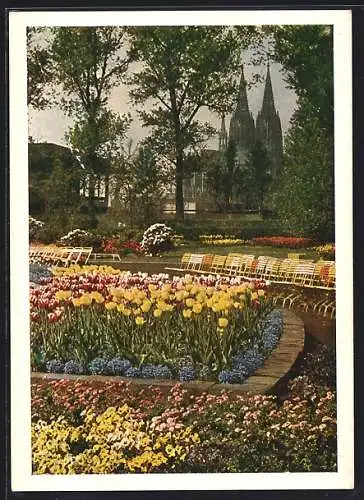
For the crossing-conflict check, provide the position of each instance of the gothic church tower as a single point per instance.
(268, 127)
(242, 129)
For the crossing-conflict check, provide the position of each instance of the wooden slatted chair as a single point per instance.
(64, 256)
(233, 265)
(260, 267)
(248, 266)
(271, 268)
(206, 264)
(303, 273)
(195, 262)
(183, 264)
(321, 277)
(283, 271)
(218, 264)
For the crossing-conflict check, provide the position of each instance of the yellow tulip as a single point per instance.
(254, 296)
(127, 312)
(187, 313)
(110, 305)
(76, 302)
(139, 320)
(261, 293)
(146, 305)
(197, 308)
(189, 302)
(223, 322)
(157, 313)
(97, 297)
(86, 299)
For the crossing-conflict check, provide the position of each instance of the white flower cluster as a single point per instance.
(34, 226)
(74, 236)
(157, 238)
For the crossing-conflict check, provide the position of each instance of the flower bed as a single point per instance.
(326, 252)
(281, 241)
(220, 240)
(109, 428)
(151, 326)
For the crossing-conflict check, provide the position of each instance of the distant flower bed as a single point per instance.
(116, 428)
(38, 274)
(98, 322)
(131, 246)
(281, 241)
(326, 251)
(220, 240)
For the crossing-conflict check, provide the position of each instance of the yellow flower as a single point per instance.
(254, 296)
(139, 320)
(197, 308)
(261, 293)
(223, 322)
(189, 302)
(157, 313)
(76, 302)
(146, 305)
(187, 313)
(110, 305)
(86, 299)
(97, 297)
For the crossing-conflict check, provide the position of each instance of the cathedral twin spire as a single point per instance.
(246, 133)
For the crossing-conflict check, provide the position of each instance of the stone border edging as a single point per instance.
(275, 367)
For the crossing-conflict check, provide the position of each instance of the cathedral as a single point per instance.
(245, 132)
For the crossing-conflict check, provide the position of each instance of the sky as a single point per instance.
(50, 125)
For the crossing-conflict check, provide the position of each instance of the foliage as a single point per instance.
(306, 53)
(183, 68)
(87, 65)
(307, 181)
(141, 187)
(224, 176)
(39, 69)
(54, 183)
(147, 319)
(319, 366)
(34, 227)
(157, 238)
(230, 228)
(258, 170)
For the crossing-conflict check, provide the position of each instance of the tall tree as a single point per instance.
(305, 200)
(259, 166)
(184, 68)
(306, 196)
(306, 53)
(88, 63)
(39, 69)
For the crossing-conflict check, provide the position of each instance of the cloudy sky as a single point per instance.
(50, 125)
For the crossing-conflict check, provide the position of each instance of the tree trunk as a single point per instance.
(180, 212)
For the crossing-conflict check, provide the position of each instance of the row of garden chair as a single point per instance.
(307, 273)
(59, 256)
